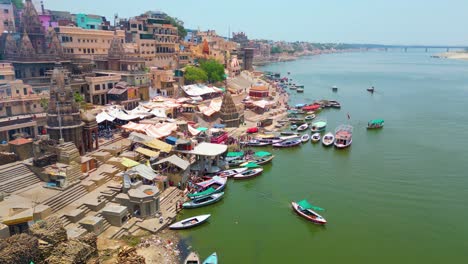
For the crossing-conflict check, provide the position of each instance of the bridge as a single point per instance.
(425, 48)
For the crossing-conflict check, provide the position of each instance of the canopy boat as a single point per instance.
(335, 89)
(234, 156)
(248, 174)
(236, 162)
(292, 87)
(204, 201)
(300, 90)
(192, 258)
(315, 137)
(328, 139)
(305, 209)
(334, 104)
(343, 136)
(209, 187)
(230, 173)
(255, 143)
(212, 259)
(190, 222)
(303, 127)
(318, 125)
(262, 157)
(293, 127)
(376, 123)
(310, 117)
(305, 138)
(299, 85)
(371, 90)
(288, 143)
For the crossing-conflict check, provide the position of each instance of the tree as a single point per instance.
(276, 50)
(44, 104)
(179, 24)
(194, 74)
(78, 97)
(214, 70)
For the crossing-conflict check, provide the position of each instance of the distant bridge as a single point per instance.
(425, 48)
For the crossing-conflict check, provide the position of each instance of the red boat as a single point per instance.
(252, 130)
(312, 107)
(304, 209)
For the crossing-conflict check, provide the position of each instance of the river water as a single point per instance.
(398, 195)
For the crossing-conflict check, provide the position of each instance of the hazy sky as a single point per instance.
(431, 22)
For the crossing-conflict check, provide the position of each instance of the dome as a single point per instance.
(87, 117)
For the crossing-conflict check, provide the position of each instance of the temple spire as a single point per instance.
(116, 49)
(26, 49)
(10, 46)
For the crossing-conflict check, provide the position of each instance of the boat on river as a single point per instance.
(192, 258)
(204, 201)
(304, 209)
(316, 137)
(371, 90)
(334, 104)
(262, 158)
(309, 117)
(235, 162)
(300, 90)
(248, 174)
(303, 127)
(230, 173)
(328, 139)
(343, 136)
(288, 144)
(305, 138)
(209, 187)
(255, 143)
(335, 89)
(318, 126)
(212, 259)
(293, 127)
(375, 124)
(190, 222)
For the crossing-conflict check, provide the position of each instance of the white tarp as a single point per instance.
(159, 112)
(104, 116)
(199, 89)
(262, 103)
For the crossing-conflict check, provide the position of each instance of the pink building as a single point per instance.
(7, 19)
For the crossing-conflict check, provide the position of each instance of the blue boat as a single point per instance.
(212, 259)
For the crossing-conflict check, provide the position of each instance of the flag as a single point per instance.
(349, 117)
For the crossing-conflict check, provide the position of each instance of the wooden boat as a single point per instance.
(212, 259)
(190, 222)
(304, 209)
(288, 144)
(300, 86)
(303, 127)
(263, 160)
(335, 104)
(293, 127)
(305, 138)
(375, 124)
(255, 143)
(335, 89)
(192, 258)
(248, 174)
(318, 125)
(310, 117)
(328, 139)
(279, 125)
(300, 90)
(235, 162)
(343, 136)
(204, 201)
(289, 133)
(292, 87)
(230, 173)
(371, 90)
(316, 137)
(209, 187)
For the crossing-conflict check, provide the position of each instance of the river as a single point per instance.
(398, 195)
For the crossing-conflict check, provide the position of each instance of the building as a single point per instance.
(63, 115)
(241, 38)
(248, 59)
(79, 43)
(163, 82)
(259, 91)
(86, 21)
(229, 114)
(7, 17)
(124, 95)
(98, 86)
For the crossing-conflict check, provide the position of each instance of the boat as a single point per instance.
(343, 136)
(248, 174)
(293, 127)
(190, 222)
(371, 90)
(334, 104)
(292, 87)
(318, 125)
(209, 187)
(192, 258)
(204, 201)
(305, 138)
(287, 144)
(212, 259)
(289, 133)
(235, 162)
(255, 143)
(335, 89)
(310, 117)
(328, 139)
(315, 137)
(230, 173)
(303, 127)
(262, 158)
(375, 124)
(299, 85)
(304, 209)
(300, 90)
(279, 125)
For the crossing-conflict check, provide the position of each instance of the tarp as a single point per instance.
(219, 126)
(305, 204)
(251, 165)
(376, 121)
(235, 154)
(145, 172)
(202, 129)
(161, 130)
(147, 152)
(199, 89)
(104, 116)
(129, 163)
(262, 154)
(262, 103)
(171, 140)
(159, 112)
(175, 160)
(214, 107)
(206, 192)
(193, 130)
(160, 145)
(136, 127)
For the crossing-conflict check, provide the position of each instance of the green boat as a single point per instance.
(212, 259)
(204, 193)
(375, 124)
(318, 126)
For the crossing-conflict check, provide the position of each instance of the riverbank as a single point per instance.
(285, 57)
(456, 55)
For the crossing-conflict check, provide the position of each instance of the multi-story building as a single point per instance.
(7, 17)
(98, 86)
(82, 43)
(125, 95)
(163, 82)
(86, 21)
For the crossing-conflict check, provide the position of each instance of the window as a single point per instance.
(79, 40)
(110, 85)
(34, 105)
(2, 77)
(25, 91)
(17, 91)
(5, 23)
(6, 11)
(97, 87)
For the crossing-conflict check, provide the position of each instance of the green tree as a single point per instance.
(18, 3)
(276, 50)
(214, 70)
(179, 24)
(44, 104)
(194, 75)
(78, 97)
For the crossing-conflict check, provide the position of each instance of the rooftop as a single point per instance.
(207, 149)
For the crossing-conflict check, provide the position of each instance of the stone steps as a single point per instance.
(61, 200)
(16, 176)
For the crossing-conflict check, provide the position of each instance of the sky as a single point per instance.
(399, 22)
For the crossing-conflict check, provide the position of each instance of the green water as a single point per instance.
(398, 195)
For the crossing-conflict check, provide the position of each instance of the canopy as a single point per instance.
(208, 191)
(129, 163)
(376, 121)
(202, 129)
(199, 89)
(175, 160)
(158, 144)
(262, 154)
(104, 116)
(147, 152)
(251, 165)
(193, 130)
(235, 154)
(305, 204)
(145, 172)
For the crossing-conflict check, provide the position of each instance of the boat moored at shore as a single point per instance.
(190, 222)
(328, 139)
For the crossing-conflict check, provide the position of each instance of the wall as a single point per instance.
(6, 15)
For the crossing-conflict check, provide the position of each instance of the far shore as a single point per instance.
(455, 55)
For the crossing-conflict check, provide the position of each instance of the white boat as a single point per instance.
(204, 201)
(310, 117)
(230, 173)
(190, 222)
(328, 139)
(303, 127)
(316, 137)
(319, 125)
(343, 136)
(305, 138)
(248, 174)
(192, 258)
(255, 143)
